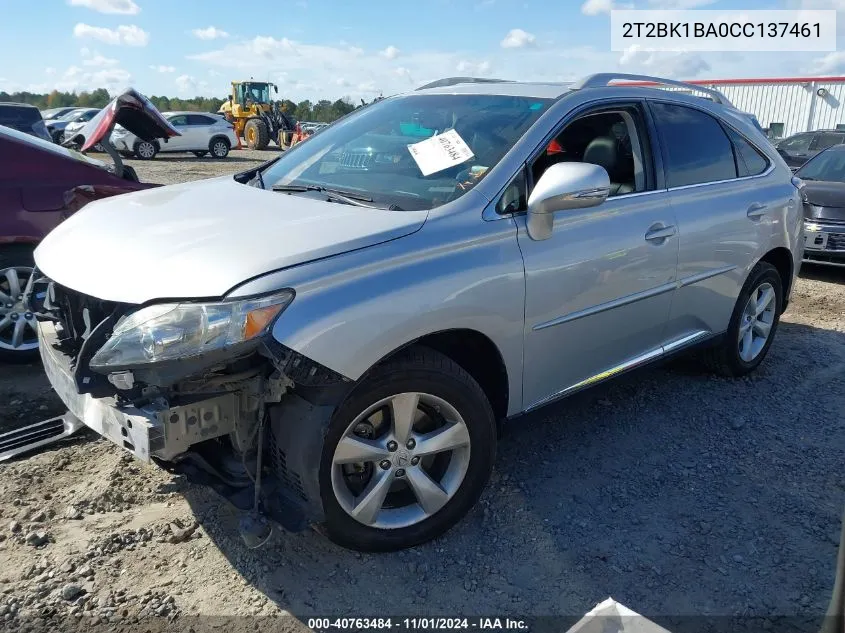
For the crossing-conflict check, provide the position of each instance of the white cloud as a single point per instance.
(210, 33)
(49, 70)
(190, 85)
(124, 7)
(517, 38)
(832, 63)
(673, 65)
(78, 79)
(128, 35)
(391, 52)
(163, 69)
(100, 62)
(473, 68)
(595, 7)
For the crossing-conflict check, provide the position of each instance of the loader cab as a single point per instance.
(257, 92)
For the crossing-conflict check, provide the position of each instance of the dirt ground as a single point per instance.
(675, 492)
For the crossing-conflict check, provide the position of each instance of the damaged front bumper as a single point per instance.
(153, 430)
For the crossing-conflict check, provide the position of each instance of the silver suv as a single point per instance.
(347, 323)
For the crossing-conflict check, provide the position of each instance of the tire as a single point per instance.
(18, 257)
(727, 359)
(145, 150)
(256, 134)
(57, 137)
(219, 147)
(460, 472)
(200, 154)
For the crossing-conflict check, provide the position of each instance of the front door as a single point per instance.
(183, 141)
(599, 290)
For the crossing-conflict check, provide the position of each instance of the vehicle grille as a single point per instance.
(836, 242)
(356, 160)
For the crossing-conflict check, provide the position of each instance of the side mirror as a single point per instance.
(276, 89)
(562, 187)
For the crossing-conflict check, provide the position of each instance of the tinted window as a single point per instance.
(180, 119)
(87, 116)
(828, 166)
(799, 143)
(750, 162)
(198, 119)
(18, 115)
(823, 140)
(697, 150)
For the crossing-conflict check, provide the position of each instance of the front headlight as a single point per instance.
(171, 331)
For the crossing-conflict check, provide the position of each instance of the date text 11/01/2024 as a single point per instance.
(767, 30)
(417, 624)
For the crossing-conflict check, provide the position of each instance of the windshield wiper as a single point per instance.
(346, 197)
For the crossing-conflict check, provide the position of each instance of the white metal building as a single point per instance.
(787, 105)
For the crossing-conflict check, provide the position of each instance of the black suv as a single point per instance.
(799, 148)
(24, 118)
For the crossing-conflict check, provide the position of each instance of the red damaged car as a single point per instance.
(41, 184)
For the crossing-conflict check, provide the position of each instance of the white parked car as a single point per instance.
(201, 134)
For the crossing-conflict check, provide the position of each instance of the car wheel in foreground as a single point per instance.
(753, 324)
(18, 333)
(145, 150)
(407, 454)
(219, 147)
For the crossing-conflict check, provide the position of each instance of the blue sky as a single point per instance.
(334, 48)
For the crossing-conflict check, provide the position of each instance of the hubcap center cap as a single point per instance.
(402, 458)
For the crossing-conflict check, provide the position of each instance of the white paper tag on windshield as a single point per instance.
(440, 152)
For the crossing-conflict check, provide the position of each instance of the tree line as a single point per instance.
(323, 111)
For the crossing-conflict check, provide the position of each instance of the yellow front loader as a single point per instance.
(256, 117)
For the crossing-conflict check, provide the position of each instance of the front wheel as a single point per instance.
(753, 324)
(407, 454)
(18, 333)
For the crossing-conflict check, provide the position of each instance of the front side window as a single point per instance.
(696, 148)
(614, 139)
(180, 119)
(403, 151)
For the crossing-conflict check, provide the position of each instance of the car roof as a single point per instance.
(16, 105)
(539, 90)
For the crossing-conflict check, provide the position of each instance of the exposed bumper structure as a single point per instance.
(155, 430)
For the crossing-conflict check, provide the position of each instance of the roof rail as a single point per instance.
(601, 80)
(454, 81)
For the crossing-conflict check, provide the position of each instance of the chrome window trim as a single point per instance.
(721, 182)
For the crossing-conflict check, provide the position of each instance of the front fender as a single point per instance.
(355, 309)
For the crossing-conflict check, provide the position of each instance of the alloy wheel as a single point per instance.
(18, 323)
(756, 322)
(219, 148)
(401, 460)
(146, 150)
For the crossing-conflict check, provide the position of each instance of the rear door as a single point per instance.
(724, 203)
(201, 131)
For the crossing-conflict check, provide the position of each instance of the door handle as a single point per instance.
(659, 232)
(757, 210)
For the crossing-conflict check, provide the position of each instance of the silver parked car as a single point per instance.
(199, 133)
(347, 324)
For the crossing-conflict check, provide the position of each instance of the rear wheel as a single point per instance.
(753, 324)
(18, 333)
(256, 134)
(146, 150)
(219, 147)
(407, 454)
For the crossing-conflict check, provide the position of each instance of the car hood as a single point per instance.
(827, 200)
(132, 111)
(201, 239)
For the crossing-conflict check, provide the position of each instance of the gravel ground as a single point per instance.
(672, 491)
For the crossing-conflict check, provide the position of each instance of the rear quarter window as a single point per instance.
(749, 160)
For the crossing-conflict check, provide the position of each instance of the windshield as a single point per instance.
(381, 151)
(259, 93)
(70, 116)
(828, 166)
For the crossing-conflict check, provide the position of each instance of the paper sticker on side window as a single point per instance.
(440, 152)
